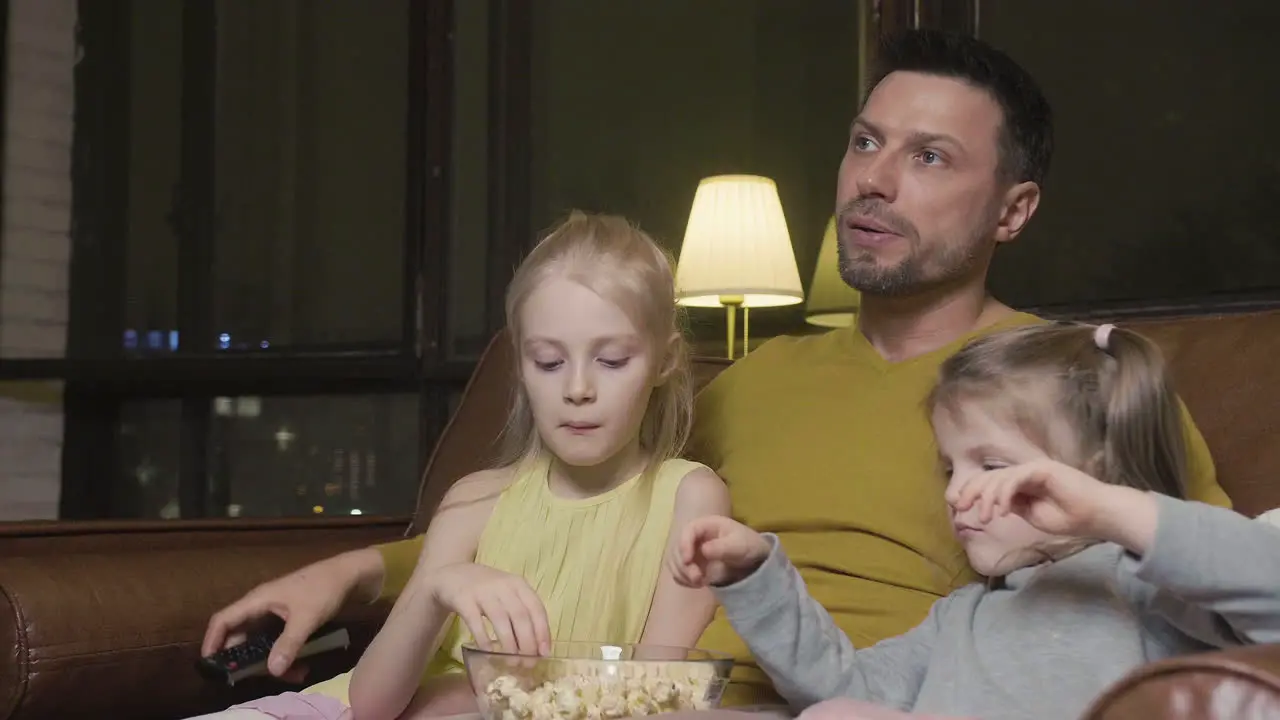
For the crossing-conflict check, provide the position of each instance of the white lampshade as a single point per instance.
(831, 303)
(737, 246)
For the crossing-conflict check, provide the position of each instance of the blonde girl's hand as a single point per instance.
(1052, 497)
(478, 593)
(716, 550)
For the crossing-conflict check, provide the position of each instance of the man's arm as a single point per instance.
(679, 614)
(1202, 477)
(305, 599)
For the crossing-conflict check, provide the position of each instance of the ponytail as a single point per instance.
(1144, 445)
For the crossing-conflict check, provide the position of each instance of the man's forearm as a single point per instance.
(367, 573)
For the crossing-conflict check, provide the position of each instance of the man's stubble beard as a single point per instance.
(917, 271)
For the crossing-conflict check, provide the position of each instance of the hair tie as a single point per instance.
(1102, 337)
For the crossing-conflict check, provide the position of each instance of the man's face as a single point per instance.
(587, 370)
(918, 197)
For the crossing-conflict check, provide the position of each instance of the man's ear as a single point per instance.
(1019, 204)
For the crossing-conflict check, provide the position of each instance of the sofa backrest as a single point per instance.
(1225, 367)
(1227, 370)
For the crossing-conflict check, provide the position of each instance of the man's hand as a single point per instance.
(304, 599)
(716, 550)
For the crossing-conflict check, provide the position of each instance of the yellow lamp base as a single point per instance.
(731, 304)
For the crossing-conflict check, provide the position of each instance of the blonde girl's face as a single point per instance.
(971, 442)
(588, 372)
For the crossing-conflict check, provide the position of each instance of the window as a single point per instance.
(257, 273)
(293, 222)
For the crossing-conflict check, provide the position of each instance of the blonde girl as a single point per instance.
(565, 538)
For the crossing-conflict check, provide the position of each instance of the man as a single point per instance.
(823, 439)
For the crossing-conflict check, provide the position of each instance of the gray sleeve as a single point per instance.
(1211, 573)
(807, 656)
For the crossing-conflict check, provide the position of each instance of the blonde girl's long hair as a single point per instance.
(619, 262)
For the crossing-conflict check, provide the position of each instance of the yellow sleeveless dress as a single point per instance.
(594, 562)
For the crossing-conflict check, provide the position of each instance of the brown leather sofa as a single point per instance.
(103, 620)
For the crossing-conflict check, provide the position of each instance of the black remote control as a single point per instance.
(249, 659)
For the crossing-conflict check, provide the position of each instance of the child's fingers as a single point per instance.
(982, 490)
(694, 534)
(973, 488)
(688, 575)
(985, 501)
(684, 573)
(967, 493)
(1009, 492)
(474, 620)
(691, 576)
(729, 550)
(537, 613)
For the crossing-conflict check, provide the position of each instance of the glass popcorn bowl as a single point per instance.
(583, 680)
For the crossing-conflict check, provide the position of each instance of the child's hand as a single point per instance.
(478, 593)
(1056, 499)
(715, 550)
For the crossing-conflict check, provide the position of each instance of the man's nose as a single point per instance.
(877, 177)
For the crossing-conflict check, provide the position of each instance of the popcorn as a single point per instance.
(591, 690)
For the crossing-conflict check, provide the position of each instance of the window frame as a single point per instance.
(96, 375)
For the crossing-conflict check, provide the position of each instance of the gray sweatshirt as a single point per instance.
(1042, 645)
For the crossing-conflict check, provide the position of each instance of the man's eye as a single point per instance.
(929, 157)
(614, 364)
(862, 142)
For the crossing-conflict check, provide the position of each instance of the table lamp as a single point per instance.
(737, 251)
(831, 302)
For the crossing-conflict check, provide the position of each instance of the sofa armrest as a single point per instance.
(116, 633)
(1233, 684)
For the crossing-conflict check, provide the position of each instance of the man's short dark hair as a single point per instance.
(1026, 137)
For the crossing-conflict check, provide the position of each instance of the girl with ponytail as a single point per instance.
(1065, 463)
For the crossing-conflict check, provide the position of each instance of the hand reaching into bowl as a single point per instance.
(478, 593)
(716, 550)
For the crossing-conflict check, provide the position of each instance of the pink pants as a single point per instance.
(286, 706)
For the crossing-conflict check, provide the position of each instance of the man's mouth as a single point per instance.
(868, 225)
